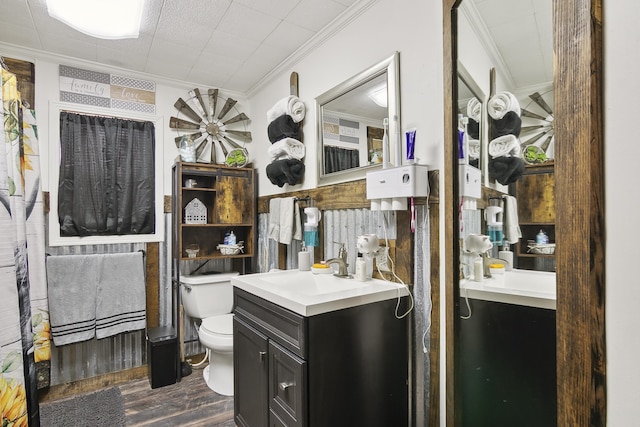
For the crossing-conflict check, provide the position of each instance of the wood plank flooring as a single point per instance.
(187, 403)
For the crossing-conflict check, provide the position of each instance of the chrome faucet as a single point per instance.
(488, 260)
(341, 260)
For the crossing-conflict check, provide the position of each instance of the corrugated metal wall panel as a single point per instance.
(96, 357)
(340, 226)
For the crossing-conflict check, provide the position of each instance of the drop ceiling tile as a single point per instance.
(213, 71)
(122, 58)
(71, 46)
(346, 2)
(164, 67)
(150, 17)
(314, 15)
(174, 52)
(197, 35)
(15, 12)
(214, 60)
(288, 36)
(126, 53)
(249, 23)
(260, 64)
(276, 8)
(16, 34)
(185, 13)
(234, 46)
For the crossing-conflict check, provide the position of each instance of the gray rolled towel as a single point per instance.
(509, 124)
(506, 170)
(284, 127)
(473, 128)
(285, 171)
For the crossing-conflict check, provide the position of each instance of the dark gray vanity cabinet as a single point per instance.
(507, 365)
(342, 368)
(250, 351)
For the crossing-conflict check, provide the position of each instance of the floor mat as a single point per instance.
(97, 409)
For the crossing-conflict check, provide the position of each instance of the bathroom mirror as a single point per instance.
(490, 53)
(579, 177)
(350, 122)
(471, 104)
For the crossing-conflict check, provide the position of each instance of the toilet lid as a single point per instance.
(221, 325)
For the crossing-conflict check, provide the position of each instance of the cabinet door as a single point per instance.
(251, 398)
(287, 386)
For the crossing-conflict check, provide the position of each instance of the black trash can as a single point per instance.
(162, 356)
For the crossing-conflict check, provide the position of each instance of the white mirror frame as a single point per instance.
(55, 108)
(391, 66)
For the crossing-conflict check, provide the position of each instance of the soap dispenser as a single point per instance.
(542, 238)
(361, 268)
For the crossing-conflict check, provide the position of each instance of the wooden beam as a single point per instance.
(91, 384)
(580, 222)
(153, 284)
(452, 415)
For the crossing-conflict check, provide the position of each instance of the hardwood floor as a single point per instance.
(187, 403)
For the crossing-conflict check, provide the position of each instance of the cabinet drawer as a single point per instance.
(287, 386)
(287, 328)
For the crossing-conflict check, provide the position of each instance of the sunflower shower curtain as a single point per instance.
(24, 318)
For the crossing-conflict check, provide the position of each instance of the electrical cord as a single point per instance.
(426, 262)
(466, 300)
(390, 261)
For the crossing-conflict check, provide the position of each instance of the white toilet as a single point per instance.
(209, 297)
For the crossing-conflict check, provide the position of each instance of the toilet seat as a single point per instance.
(216, 332)
(219, 325)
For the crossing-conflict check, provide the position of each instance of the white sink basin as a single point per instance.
(310, 284)
(309, 294)
(521, 287)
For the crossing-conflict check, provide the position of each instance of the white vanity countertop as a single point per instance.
(520, 287)
(310, 294)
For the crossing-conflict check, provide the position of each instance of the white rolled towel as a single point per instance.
(501, 103)
(287, 148)
(290, 105)
(474, 148)
(474, 109)
(505, 146)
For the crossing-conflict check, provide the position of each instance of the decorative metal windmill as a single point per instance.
(207, 126)
(538, 127)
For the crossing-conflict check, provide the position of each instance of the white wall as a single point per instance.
(411, 27)
(622, 153)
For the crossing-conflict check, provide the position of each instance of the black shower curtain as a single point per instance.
(107, 182)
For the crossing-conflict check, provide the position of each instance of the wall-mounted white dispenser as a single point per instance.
(470, 180)
(402, 181)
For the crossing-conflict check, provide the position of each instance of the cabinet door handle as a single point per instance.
(284, 386)
(262, 355)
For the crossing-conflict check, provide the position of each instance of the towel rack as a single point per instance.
(306, 199)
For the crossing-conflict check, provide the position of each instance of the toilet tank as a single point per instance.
(206, 295)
